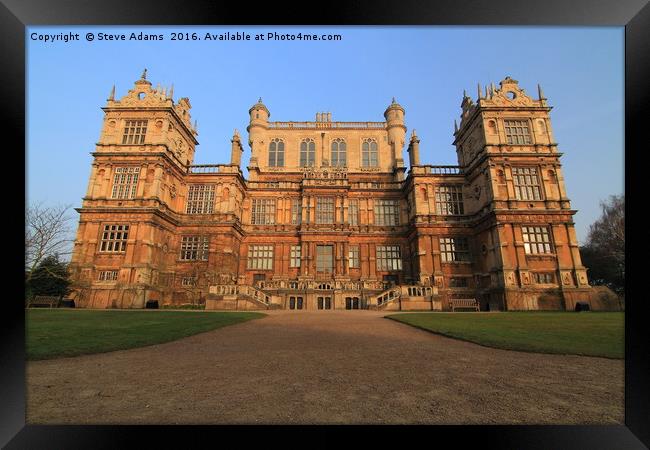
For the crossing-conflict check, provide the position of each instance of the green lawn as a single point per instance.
(586, 333)
(64, 332)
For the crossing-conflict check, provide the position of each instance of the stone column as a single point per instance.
(157, 180)
(142, 177)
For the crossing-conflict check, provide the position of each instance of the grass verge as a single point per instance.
(60, 333)
(590, 334)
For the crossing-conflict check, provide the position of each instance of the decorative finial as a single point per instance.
(236, 134)
(464, 93)
(478, 85)
(455, 126)
(112, 96)
(158, 87)
(394, 101)
(540, 93)
(144, 74)
(487, 87)
(494, 88)
(196, 125)
(259, 100)
(413, 133)
(170, 95)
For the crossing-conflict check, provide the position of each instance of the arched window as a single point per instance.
(339, 154)
(369, 153)
(307, 153)
(276, 153)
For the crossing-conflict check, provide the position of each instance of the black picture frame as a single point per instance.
(634, 15)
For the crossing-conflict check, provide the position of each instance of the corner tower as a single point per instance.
(123, 247)
(394, 115)
(258, 124)
(527, 254)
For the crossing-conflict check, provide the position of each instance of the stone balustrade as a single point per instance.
(436, 170)
(303, 285)
(240, 289)
(212, 168)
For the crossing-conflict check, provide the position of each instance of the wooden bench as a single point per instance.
(463, 303)
(43, 301)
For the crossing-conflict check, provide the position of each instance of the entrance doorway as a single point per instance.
(391, 280)
(295, 302)
(324, 302)
(258, 277)
(352, 303)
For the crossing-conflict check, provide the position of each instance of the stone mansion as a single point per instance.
(330, 217)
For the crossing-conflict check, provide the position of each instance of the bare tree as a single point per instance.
(47, 233)
(604, 252)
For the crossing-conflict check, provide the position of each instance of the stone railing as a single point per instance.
(417, 291)
(387, 296)
(376, 185)
(302, 285)
(212, 168)
(397, 292)
(241, 289)
(272, 185)
(324, 182)
(437, 170)
(326, 125)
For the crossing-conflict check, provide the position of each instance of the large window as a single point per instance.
(536, 240)
(200, 199)
(389, 257)
(353, 212)
(296, 211)
(194, 248)
(260, 257)
(353, 257)
(526, 183)
(114, 238)
(324, 210)
(449, 200)
(134, 132)
(386, 212)
(263, 211)
(324, 258)
(307, 153)
(369, 153)
(339, 153)
(517, 131)
(454, 249)
(276, 153)
(294, 259)
(125, 182)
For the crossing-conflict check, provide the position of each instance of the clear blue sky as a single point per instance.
(426, 69)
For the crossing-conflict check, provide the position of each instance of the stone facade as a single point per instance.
(329, 217)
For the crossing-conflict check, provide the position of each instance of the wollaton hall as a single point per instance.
(329, 217)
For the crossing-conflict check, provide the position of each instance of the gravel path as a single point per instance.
(324, 367)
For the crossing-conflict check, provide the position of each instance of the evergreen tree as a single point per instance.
(50, 277)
